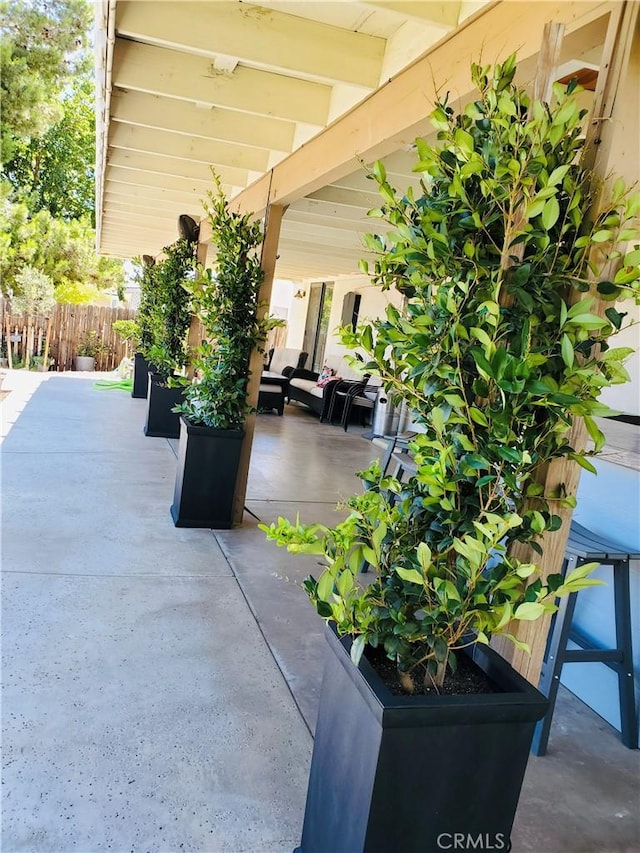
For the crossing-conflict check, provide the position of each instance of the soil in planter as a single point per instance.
(467, 679)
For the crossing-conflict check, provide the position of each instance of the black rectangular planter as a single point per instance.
(161, 421)
(208, 461)
(407, 773)
(140, 376)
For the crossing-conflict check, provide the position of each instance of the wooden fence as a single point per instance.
(65, 328)
(69, 325)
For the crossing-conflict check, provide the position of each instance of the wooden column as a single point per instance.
(45, 356)
(195, 329)
(615, 109)
(273, 221)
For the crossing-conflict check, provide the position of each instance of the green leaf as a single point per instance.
(378, 535)
(379, 171)
(441, 649)
(464, 141)
(583, 462)
(535, 208)
(558, 174)
(509, 454)
(550, 213)
(345, 582)
(325, 586)
(438, 418)
(588, 321)
(595, 433)
(615, 317)
(580, 572)
(528, 611)
(357, 648)
(424, 555)
(567, 351)
(478, 416)
(410, 575)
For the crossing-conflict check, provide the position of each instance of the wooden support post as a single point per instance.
(273, 221)
(45, 355)
(195, 329)
(7, 325)
(615, 107)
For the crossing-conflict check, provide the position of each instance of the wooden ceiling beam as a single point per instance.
(362, 225)
(151, 141)
(257, 36)
(348, 197)
(159, 71)
(206, 122)
(160, 164)
(155, 180)
(158, 195)
(147, 208)
(445, 14)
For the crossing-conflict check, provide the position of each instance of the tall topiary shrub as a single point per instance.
(226, 301)
(495, 358)
(170, 307)
(144, 277)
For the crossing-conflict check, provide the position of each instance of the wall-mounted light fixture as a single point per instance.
(300, 294)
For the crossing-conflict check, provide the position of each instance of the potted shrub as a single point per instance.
(495, 357)
(215, 405)
(168, 323)
(90, 349)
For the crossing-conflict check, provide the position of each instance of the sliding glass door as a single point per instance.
(317, 325)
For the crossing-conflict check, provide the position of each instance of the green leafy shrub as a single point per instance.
(169, 303)
(91, 345)
(497, 349)
(226, 301)
(144, 277)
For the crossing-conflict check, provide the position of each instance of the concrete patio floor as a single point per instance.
(160, 685)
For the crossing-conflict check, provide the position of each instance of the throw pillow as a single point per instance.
(326, 375)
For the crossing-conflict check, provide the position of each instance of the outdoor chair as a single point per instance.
(281, 358)
(344, 394)
(349, 395)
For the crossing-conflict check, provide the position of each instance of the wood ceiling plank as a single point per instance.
(347, 197)
(133, 177)
(169, 144)
(159, 71)
(257, 36)
(174, 166)
(443, 13)
(323, 235)
(147, 207)
(362, 225)
(115, 190)
(141, 108)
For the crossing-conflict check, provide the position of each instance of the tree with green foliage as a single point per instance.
(43, 46)
(65, 251)
(36, 299)
(48, 150)
(55, 171)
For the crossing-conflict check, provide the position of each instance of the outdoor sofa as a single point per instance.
(326, 398)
